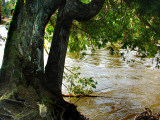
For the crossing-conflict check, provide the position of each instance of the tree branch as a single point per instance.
(80, 28)
(82, 12)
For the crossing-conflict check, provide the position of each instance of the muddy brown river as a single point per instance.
(128, 86)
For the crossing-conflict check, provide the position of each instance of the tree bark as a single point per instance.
(23, 52)
(55, 65)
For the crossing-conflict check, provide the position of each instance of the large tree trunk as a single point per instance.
(22, 78)
(22, 68)
(23, 51)
(56, 59)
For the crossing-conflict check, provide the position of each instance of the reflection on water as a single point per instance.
(127, 86)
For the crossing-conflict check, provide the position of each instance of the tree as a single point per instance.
(22, 75)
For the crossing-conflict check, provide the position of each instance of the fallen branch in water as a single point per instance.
(77, 96)
(81, 96)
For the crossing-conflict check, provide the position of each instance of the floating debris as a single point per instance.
(147, 115)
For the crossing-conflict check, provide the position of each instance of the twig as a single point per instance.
(69, 70)
(66, 87)
(77, 100)
(46, 50)
(80, 28)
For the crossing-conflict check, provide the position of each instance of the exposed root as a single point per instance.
(25, 104)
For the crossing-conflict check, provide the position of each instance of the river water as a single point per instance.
(128, 86)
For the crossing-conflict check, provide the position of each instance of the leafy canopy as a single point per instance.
(132, 25)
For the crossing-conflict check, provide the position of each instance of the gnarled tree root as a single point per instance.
(13, 110)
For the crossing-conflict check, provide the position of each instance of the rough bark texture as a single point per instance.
(57, 53)
(22, 80)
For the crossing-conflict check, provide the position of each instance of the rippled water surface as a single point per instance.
(127, 86)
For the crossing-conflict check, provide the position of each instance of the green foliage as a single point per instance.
(133, 25)
(79, 85)
(118, 23)
(85, 1)
(145, 7)
(49, 31)
(78, 39)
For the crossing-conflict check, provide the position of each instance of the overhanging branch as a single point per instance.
(82, 12)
